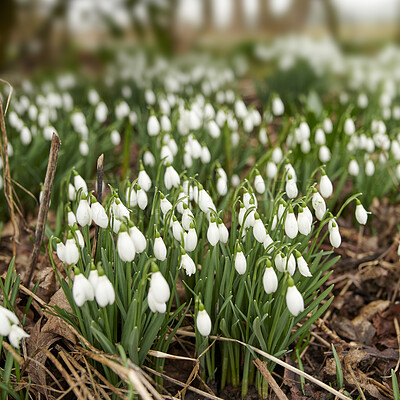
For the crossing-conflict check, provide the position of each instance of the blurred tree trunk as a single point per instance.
(7, 20)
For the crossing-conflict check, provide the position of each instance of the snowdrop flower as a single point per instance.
(142, 199)
(222, 186)
(122, 110)
(101, 112)
(93, 97)
(280, 262)
(353, 168)
(361, 214)
(205, 201)
(327, 125)
(270, 280)
(240, 260)
(165, 204)
(159, 286)
(83, 148)
(171, 177)
(71, 251)
(334, 235)
(150, 97)
(78, 236)
(213, 232)
(240, 109)
(160, 251)
(71, 192)
(259, 183)
(291, 188)
(82, 290)
(235, 180)
(294, 299)
(320, 137)
(304, 130)
(93, 276)
(7, 319)
(291, 227)
(369, 168)
(290, 264)
(138, 239)
(165, 124)
(80, 183)
(213, 129)
(305, 146)
(324, 154)
(190, 238)
(278, 107)
(259, 231)
(271, 170)
(277, 155)
(249, 200)
(187, 263)
(115, 137)
(223, 232)
(187, 217)
(302, 264)
(154, 305)
(119, 209)
(125, 246)
(325, 185)
(303, 222)
(319, 205)
(177, 229)
(205, 155)
(267, 243)
(148, 159)
(25, 135)
(203, 321)
(98, 213)
(104, 291)
(144, 180)
(131, 196)
(153, 126)
(60, 253)
(16, 334)
(349, 127)
(263, 136)
(362, 100)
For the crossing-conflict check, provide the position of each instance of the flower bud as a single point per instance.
(361, 214)
(294, 299)
(82, 290)
(203, 322)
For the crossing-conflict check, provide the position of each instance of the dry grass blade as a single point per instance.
(9, 94)
(356, 382)
(396, 326)
(261, 366)
(275, 360)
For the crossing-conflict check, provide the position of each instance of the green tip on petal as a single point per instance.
(201, 306)
(358, 202)
(123, 228)
(290, 209)
(290, 281)
(268, 263)
(297, 253)
(77, 271)
(154, 268)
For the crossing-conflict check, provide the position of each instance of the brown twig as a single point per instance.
(44, 206)
(262, 367)
(8, 191)
(356, 382)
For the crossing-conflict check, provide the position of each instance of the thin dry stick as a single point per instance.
(396, 326)
(9, 94)
(8, 191)
(275, 360)
(261, 366)
(44, 206)
(356, 382)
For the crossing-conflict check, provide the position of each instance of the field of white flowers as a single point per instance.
(165, 234)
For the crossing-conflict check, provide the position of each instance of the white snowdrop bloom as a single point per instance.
(307, 211)
(267, 243)
(281, 210)
(278, 107)
(25, 135)
(83, 148)
(324, 154)
(213, 129)
(165, 108)
(153, 126)
(60, 255)
(79, 236)
(223, 232)
(190, 239)
(160, 250)
(165, 204)
(263, 136)
(396, 112)
(159, 287)
(187, 217)
(259, 184)
(16, 334)
(205, 201)
(250, 220)
(205, 155)
(334, 236)
(144, 180)
(80, 183)
(116, 224)
(303, 222)
(290, 264)
(93, 277)
(101, 112)
(362, 100)
(177, 230)
(7, 319)
(71, 251)
(395, 149)
(203, 322)
(353, 168)
(148, 159)
(154, 305)
(277, 155)
(93, 97)
(142, 199)
(209, 112)
(235, 180)
(220, 118)
(166, 154)
(119, 209)
(325, 186)
(361, 214)
(222, 186)
(259, 231)
(149, 97)
(305, 146)
(187, 264)
(173, 146)
(235, 139)
(270, 280)
(240, 109)
(249, 200)
(320, 137)
(302, 265)
(291, 188)
(271, 170)
(213, 233)
(132, 118)
(195, 147)
(83, 212)
(240, 261)
(349, 127)
(47, 133)
(305, 130)
(131, 196)
(138, 239)
(280, 262)
(82, 290)
(122, 110)
(125, 246)
(319, 205)
(291, 227)
(171, 178)
(294, 299)
(194, 120)
(104, 291)
(248, 124)
(32, 112)
(369, 168)
(115, 137)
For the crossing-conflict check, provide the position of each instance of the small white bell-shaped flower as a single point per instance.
(302, 264)
(280, 262)
(294, 299)
(290, 264)
(349, 127)
(259, 231)
(270, 280)
(291, 227)
(223, 232)
(303, 222)
(82, 289)
(325, 185)
(16, 335)
(142, 199)
(187, 263)
(79, 183)
(240, 260)
(104, 292)
(83, 212)
(165, 204)
(159, 286)
(259, 183)
(361, 213)
(153, 126)
(131, 196)
(213, 232)
(144, 180)
(353, 168)
(99, 215)
(319, 205)
(334, 235)
(177, 229)
(278, 107)
(267, 243)
(125, 246)
(160, 250)
(291, 187)
(71, 251)
(148, 159)
(138, 239)
(271, 170)
(190, 238)
(7, 319)
(203, 321)
(171, 178)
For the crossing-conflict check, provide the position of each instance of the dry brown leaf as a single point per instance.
(368, 311)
